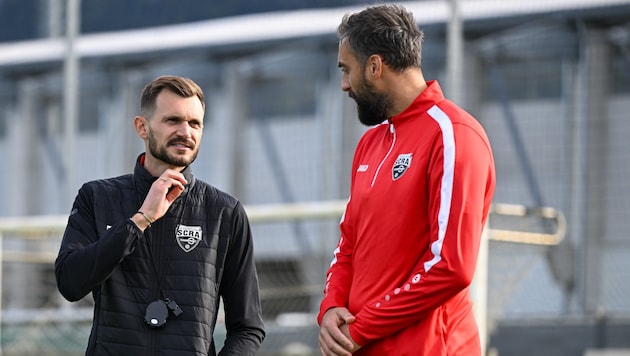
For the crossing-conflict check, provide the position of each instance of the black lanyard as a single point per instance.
(156, 312)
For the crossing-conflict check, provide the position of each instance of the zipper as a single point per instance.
(153, 251)
(393, 131)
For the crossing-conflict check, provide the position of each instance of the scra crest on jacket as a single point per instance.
(401, 165)
(188, 237)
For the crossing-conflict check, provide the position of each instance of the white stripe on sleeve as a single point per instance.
(446, 193)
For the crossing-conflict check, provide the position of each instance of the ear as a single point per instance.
(140, 123)
(375, 66)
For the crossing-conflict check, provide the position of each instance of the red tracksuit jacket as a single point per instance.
(421, 189)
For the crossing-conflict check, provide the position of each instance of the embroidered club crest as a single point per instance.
(400, 166)
(188, 237)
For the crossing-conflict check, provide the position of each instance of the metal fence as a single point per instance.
(35, 320)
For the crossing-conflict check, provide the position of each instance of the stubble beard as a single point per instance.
(161, 153)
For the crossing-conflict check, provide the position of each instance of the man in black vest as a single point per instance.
(158, 248)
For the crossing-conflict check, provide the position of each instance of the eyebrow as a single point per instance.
(172, 117)
(180, 118)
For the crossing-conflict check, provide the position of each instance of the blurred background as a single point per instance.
(549, 81)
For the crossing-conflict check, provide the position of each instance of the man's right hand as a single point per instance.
(168, 187)
(332, 340)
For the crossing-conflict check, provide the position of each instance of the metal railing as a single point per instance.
(514, 223)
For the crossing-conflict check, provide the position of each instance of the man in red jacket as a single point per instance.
(422, 182)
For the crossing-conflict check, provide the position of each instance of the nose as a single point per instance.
(345, 83)
(184, 129)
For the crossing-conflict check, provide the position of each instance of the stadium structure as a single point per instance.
(549, 80)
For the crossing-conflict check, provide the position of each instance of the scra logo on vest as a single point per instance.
(188, 237)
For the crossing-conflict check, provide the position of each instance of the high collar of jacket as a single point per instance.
(143, 179)
(422, 103)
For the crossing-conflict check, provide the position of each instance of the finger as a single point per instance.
(169, 182)
(344, 316)
(348, 341)
(163, 183)
(344, 344)
(329, 347)
(175, 191)
(349, 318)
(334, 337)
(174, 176)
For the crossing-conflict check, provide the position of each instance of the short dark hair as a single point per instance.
(388, 30)
(181, 86)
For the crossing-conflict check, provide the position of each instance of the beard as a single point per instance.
(371, 106)
(162, 154)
